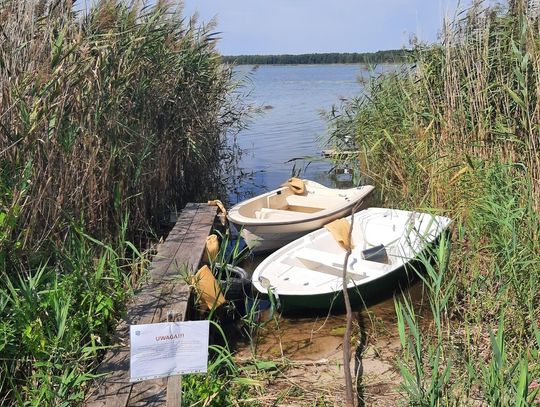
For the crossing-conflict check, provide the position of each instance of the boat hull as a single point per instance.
(273, 219)
(307, 274)
(360, 296)
(266, 238)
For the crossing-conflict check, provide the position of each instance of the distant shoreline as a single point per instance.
(387, 56)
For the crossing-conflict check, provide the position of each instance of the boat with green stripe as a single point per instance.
(307, 273)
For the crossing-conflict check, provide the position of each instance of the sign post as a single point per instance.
(168, 349)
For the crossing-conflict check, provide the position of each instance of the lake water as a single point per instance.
(290, 125)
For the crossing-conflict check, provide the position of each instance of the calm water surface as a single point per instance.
(290, 125)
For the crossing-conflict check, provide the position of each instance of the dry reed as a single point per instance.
(121, 110)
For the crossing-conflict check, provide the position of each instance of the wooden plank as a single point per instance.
(175, 297)
(165, 294)
(144, 311)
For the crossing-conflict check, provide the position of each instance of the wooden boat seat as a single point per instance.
(319, 202)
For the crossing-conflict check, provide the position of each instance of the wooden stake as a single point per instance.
(174, 391)
(349, 393)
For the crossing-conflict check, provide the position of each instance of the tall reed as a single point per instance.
(120, 110)
(108, 118)
(456, 131)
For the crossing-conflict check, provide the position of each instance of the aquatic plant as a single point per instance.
(109, 117)
(119, 110)
(456, 131)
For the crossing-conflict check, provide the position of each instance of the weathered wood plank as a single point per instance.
(165, 294)
(174, 391)
(175, 296)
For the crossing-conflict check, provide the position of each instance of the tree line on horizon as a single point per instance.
(393, 55)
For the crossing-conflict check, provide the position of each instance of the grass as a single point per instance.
(455, 132)
(225, 383)
(56, 319)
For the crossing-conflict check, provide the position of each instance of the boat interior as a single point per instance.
(284, 204)
(308, 267)
(322, 254)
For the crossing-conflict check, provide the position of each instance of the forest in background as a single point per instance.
(388, 56)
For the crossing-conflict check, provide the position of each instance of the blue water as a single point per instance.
(290, 125)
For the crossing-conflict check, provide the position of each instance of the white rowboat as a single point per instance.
(271, 220)
(307, 273)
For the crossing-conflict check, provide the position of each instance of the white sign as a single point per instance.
(167, 349)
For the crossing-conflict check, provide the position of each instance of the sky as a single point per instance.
(307, 26)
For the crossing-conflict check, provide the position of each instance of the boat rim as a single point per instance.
(257, 222)
(442, 220)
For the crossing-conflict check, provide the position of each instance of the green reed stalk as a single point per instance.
(456, 131)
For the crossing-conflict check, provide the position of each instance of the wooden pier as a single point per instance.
(163, 298)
